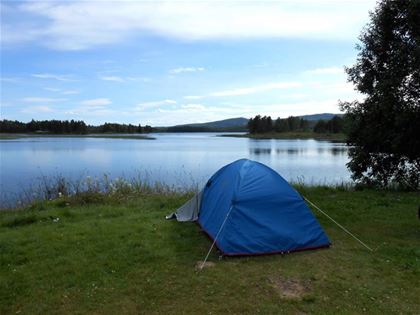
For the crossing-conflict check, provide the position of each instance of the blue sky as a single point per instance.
(172, 62)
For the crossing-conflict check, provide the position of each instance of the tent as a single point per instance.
(247, 208)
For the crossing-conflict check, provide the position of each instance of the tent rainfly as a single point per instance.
(249, 209)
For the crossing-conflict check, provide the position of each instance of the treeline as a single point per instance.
(120, 128)
(266, 124)
(51, 126)
(334, 125)
(68, 127)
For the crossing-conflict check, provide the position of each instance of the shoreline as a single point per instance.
(339, 137)
(10, 136)
(262, 136)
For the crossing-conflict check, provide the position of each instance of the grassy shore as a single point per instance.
(116, 254)
(10, 136)
(291, 135)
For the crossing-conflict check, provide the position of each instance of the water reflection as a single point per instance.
(178, 159)
(258, 151)
(292, 151)
(339, 151)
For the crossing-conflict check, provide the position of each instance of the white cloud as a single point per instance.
(143, 79)
(116, 78)
(52, 89)
(112, 78)
(248, 90)
(153, 104)
(79, 25)
(37, 109)
(197, 113)
(293, 109)
(43, 100)
(82, 112)
(96, 102)
(58, 77)
(344, 89)
(186, 69)
(9, 80)
(70, 92)
(194, 97)
(329, 70)
(60, 91)
(193, 107)
(257, 89)
(281, 109)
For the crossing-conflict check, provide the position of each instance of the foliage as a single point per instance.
(334, 125)
(52, 126)
(123, 257)
(339, 137)
(68, 127)
(117, 128)
(384, 128)
(265, 124)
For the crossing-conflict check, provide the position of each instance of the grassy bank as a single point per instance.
(116, 254)
(292, 135)
(10, 136)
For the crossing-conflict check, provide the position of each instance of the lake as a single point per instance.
(179, 159)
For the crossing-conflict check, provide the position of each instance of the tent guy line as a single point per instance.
(307, 200)
(339, 225)
(247, 208)
(215, 239)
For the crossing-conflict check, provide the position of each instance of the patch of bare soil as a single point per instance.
(290, 288)
(208, 264)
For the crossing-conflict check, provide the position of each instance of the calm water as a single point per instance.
(176, 159)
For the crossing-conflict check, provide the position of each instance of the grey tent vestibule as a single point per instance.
(188, 211)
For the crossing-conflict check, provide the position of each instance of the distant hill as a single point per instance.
(234, 124)
(231, 124)
(226, 123)
(323, 116)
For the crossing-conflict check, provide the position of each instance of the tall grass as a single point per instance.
(88, 189)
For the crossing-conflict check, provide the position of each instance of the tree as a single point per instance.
(384, 128)
(294, 123)
(281, 125)
(253, 124)
(336, 124)
(320, 126)
(266, 124)
(260, 124)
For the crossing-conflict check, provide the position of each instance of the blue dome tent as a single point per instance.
(249, 209)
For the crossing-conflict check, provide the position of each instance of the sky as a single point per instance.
(173, 62)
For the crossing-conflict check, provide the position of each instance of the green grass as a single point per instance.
(111, 254)
(10, 136)
(292, 135)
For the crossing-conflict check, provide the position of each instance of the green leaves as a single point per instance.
(384, 128)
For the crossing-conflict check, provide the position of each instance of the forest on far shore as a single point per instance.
(68, 127)
(266, 124)
(256, 125)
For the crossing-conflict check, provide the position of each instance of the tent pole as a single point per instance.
(215, 239)
(342, 227)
